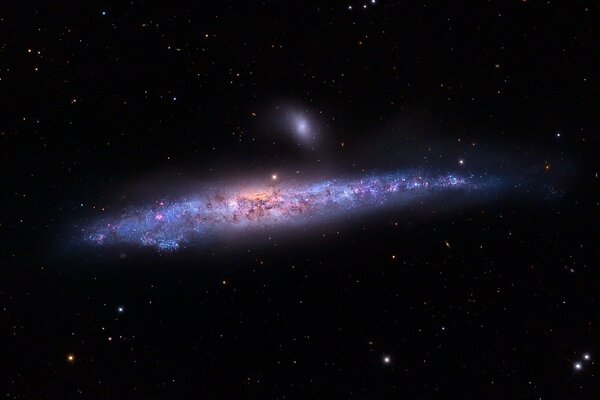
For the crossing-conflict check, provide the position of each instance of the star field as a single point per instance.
(364, 199)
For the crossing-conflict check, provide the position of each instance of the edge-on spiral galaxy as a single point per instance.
(168, 225)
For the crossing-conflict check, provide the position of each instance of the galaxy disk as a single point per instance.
(200, 217)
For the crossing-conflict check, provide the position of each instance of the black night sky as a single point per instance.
(109, 105)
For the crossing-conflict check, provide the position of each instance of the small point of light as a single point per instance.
(586, 357)
(71, 358)
(577, 366)
(557, 134)
(387, 359)
(274, 177)
(174, 98)
(461, 161)
(103, 13)
(121, 309)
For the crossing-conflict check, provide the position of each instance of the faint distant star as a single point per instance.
(71, 358)
(120, 309)
(274, 177)
(461, 161)
(103, 13)
(586, 357)
(387, 359)
(577, 366)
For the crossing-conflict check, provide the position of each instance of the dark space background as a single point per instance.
(97, 96)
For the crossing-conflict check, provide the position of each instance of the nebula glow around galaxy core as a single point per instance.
(200, 217)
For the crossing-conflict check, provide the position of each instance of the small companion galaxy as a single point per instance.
(300, 200)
